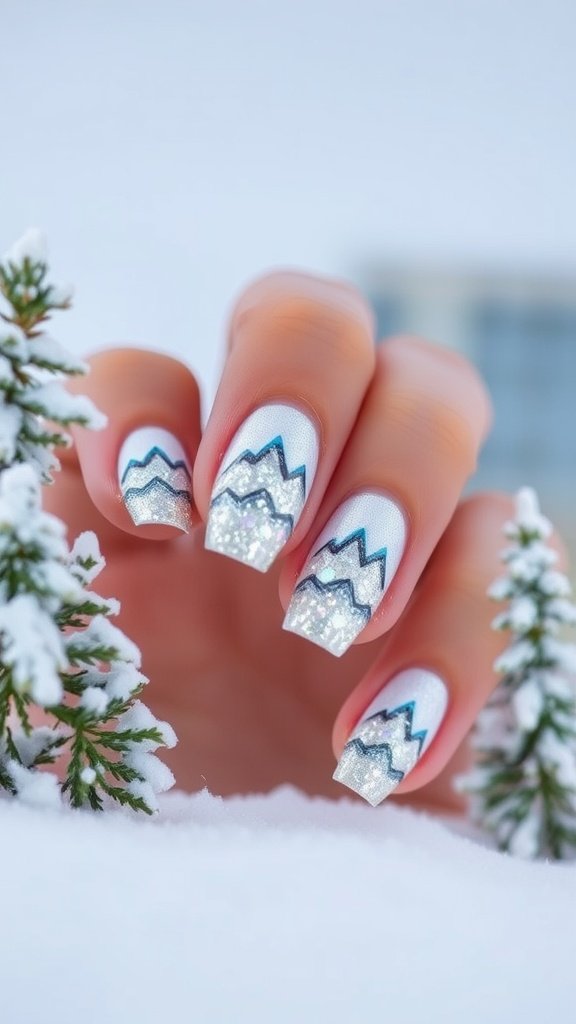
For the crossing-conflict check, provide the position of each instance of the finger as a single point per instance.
(301, 357)
(138, 470)
(406, 718)
(395, 490)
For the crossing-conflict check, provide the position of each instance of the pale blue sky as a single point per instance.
(174, 150)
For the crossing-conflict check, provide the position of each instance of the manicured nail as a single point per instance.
(349, 570)
(155, 478)
(394, 732)
(262, 485)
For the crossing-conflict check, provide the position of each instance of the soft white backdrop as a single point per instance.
(173, 150)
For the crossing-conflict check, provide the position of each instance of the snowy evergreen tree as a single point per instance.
(61, 659)
(523, 786)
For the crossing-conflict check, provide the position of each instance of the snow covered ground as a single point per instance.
(276, 909)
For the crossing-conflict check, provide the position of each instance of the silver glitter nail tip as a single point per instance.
(260, 492)
(396, 729)
(155, 479)
(350, 568)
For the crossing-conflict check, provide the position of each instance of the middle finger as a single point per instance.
(392, 496)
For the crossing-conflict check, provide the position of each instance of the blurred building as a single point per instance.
(521, 333)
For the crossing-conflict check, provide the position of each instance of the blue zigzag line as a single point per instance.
(142, 463)
(358, 537)
(382, 751)
(377, 752)
(344, 585)
(157, 481)
(283, 517)
(277, 445)
(407, 712)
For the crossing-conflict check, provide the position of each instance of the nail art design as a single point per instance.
(155, 478)
(396, 729)
(352, 565)
(260, 491)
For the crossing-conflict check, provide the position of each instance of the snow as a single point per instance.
(32, 245)
(32, 646)
(52, 401)
(528, 516)
(86, 548)
(528, 703)
(94, 699)
(10, 423)
(276, 908)
(35, 789)
(140, 717)
(46, 349)
(101, 633)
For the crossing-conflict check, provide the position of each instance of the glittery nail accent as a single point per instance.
(351, 566)
(395, 730)
(155, 478)
(262, 486)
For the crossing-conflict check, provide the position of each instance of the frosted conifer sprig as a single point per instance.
(61, 657)
(523, 784)
(32, 364)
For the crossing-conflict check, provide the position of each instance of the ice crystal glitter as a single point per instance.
(326, 615)
(260, 492)
(347, 573)
(158, 502)
(379, 754)
(155, 478)
(396, 728)
(248, 530)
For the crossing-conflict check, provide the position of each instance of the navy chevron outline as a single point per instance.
(157, 481)
(262, 492)
(407, 712)
(382, 751)
(343, 584)
(277, 445)
(377, 752)
(155, 450)
(359, 537)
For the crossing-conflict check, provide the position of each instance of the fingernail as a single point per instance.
(394, 732)
(262, 485)
(349, 570)
(155, 478)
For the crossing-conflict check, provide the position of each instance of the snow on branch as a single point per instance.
(523, 783)
(58, 650)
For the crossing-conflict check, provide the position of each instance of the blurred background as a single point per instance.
(425, 149)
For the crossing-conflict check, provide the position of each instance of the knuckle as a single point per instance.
(453, 370)
(446, 431)
(296, 308)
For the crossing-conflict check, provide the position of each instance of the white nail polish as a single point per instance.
(155, 478)
(395, 730)
(262, 485)
(350, 568)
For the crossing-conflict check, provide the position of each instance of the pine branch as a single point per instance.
(523, 785)
(58, 650)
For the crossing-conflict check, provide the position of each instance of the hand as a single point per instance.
(398, 588)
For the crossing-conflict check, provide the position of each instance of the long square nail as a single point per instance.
(392, 735)
(262, 486)
(348, 571)
(155, 478)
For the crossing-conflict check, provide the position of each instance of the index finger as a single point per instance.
(301, 358)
